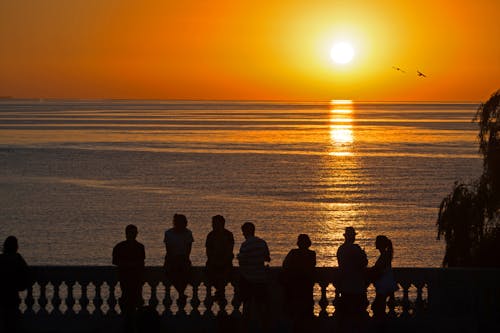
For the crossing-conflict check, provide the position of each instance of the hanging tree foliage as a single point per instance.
(469, 217)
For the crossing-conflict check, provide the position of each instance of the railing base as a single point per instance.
(228, 324)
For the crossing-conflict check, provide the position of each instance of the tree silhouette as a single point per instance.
(469, 217)
(488, 117)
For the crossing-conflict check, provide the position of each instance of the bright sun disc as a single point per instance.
(342, 53)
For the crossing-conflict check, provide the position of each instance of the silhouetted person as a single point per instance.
(383, 277)
(13, 279)
(297, 277)
(178, 242)
(129, 256)
(352, 283)
(253, 280)
(219, 246)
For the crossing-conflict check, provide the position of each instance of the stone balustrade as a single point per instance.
(85, 298)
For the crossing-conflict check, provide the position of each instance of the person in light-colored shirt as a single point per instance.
(252, 257)
(178, 242)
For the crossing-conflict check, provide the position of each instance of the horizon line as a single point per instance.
(91, 99)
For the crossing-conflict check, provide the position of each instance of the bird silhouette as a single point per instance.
(399, 69)
(420, 74)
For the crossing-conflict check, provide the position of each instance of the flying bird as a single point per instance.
(419, 73)
(399, 69)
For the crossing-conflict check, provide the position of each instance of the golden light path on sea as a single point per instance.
(340, 174)
(341, 133)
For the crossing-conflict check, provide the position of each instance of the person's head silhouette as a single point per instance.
(218, 222)
(180, 222)
(384, 244)
(131, 232)
(10, 245)
(303, 241)
(350, 235)
(248, 229)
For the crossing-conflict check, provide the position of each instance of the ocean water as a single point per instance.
(73, 174)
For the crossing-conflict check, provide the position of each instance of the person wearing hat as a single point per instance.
(352, 260)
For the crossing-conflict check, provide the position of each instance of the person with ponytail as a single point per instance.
(384, 282)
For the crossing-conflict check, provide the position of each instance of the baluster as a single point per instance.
(153, 301)
(222, 301)
(21, 304)
(419, 302)
(391, 303)
(42, 299)
(84, 300)
(167, 301)
(195, 300)
(181, 303)
(112, 301)
(56, 298)
(145, 291)
(104, 294)
(406, 299)
(98, 299)
(208, 302)
(323, 302)
(335, 302)
(29, 301)
(236, 302)
(70, 299)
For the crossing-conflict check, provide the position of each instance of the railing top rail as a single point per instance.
(334, 268)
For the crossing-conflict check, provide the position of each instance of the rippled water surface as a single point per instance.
(73, 174)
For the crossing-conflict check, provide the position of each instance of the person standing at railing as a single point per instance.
(297, 279)
(352, 303)
(219, 246)
(129, 256)
(178, 243)
(383, 279)
(14, 278)
(252, 257)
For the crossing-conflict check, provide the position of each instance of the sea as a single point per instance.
(74, 173)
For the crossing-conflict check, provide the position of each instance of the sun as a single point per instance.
(342, 52)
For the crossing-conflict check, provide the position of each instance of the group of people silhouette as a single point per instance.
(296, 277)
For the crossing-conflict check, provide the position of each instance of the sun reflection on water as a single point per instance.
(341, 132)
(341, 176)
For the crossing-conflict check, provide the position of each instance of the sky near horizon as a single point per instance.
(249, 49)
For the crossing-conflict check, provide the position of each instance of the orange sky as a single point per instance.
(249, 49)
